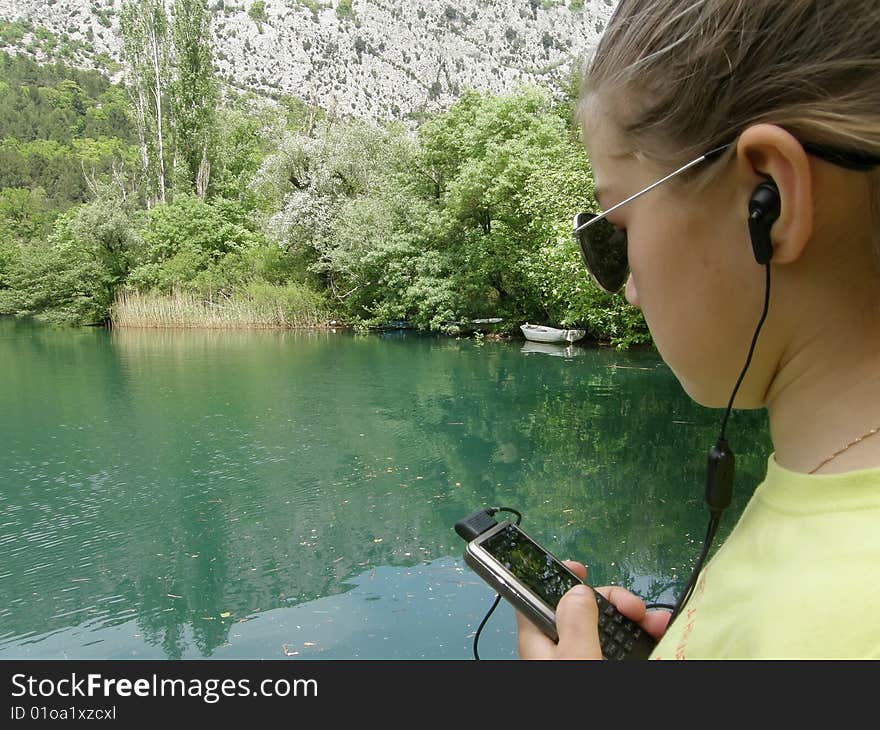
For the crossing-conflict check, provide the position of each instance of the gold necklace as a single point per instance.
(837, 453)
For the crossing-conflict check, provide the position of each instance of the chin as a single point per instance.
(709, 395)
(705, 396)
(701, 389)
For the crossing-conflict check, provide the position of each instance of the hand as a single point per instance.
(577, 622)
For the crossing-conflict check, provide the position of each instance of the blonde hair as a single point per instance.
(702, 71)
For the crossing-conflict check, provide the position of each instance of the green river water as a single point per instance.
(269, 494)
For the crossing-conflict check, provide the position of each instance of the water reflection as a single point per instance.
(550, 348)
(427, 611)
(167, 493)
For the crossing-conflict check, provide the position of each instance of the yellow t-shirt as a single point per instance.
(798, 577)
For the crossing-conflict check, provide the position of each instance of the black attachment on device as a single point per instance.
(474, 525)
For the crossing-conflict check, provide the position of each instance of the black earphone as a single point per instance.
(764, 210)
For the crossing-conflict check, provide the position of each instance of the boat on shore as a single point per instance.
(538, 333)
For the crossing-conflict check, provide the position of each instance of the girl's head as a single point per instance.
(671, 80)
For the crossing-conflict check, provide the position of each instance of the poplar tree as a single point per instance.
(194, 92)
(145, 47)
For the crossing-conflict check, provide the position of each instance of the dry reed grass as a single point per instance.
(260, 306)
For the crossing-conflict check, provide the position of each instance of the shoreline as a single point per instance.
(330, 327)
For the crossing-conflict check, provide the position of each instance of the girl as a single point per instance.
(760, 121)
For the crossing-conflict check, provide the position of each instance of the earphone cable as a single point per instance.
(714, 520)
(719, 501)
(751, 352)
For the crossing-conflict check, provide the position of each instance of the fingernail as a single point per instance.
(582, 590)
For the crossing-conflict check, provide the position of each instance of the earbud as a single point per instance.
(764, 209)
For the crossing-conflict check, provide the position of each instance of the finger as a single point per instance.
(532, 643)
(656, 622)
(629, 604)
(577, 568)
(633, 607)
(577, 621)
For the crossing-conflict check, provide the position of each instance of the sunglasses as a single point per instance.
(603, 246)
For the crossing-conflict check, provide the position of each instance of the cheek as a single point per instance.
(688, 289)
(659, 261)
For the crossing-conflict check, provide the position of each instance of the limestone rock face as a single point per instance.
(374, 59)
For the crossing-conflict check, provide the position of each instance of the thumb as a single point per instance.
(577, 623)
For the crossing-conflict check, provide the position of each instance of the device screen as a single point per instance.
(538, 570)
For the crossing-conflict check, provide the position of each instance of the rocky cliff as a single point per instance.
(375, 59)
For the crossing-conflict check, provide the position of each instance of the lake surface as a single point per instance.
(271, 494)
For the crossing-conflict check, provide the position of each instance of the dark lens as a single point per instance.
(603, 250)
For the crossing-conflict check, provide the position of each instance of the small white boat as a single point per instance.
(537, 333)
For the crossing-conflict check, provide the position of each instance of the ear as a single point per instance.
(765, 150)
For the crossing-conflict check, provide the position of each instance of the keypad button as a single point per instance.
(618, 636)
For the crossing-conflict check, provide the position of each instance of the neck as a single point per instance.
(823, 402)
(824, 394)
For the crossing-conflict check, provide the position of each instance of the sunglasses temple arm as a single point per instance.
(684, 168)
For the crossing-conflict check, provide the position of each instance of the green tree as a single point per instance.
(146, 50)
(72, 277)
(192, 245)
(257, 13)
(26, 215)
(195, 93)
(508, 174)
(315, 188)
(108, 116)
(245, 130)
(45, 112)
(477, 160)
(43, 163)
(9, 256)
(306, 178)
(471, 219)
